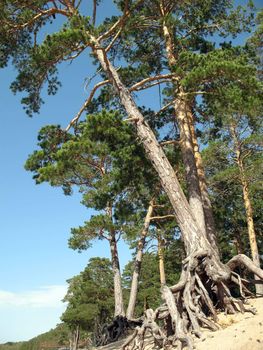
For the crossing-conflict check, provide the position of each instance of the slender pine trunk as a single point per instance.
(138, 262)
(161, 261)
(75, 338)
(247, 204)
(118, 296)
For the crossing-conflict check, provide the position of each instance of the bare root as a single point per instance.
(193, 303)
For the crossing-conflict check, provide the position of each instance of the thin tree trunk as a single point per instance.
(75, 338)
(248, 206)
(238, 242)
(138, 262)
(118, 296)
(161, 261)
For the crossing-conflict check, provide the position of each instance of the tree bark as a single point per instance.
(75, 338)
(182, 110)
(207, 206)
(194, 193)
(161, 261)
(247, 204)
(118, 296)
(138, 262)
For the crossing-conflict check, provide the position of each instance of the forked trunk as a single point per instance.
(137, 263)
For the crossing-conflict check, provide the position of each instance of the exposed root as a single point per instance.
(193, 303)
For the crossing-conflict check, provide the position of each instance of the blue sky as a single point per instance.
(36, 220)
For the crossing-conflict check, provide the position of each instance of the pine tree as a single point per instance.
(37, 64)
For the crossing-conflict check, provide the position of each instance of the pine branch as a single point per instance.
(86, 103)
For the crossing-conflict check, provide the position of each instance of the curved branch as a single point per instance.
(242, 259)
(86, 103)
(138, 85)
(49, 12)
(119, 23)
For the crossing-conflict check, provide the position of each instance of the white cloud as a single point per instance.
(48, 296)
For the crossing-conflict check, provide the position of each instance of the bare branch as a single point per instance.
(120, 22)
(138, 85)
(170, 142)
(47, 13)
(94, 12)
(88, 100)
(113, 40)
(169, 216)
(165, 107)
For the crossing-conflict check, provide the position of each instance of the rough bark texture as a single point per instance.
(118, 297)
(194, 193)
(248, 206)
(182, 111)
(161, 261)
(137, 263)
(207, 206)
(198, 194)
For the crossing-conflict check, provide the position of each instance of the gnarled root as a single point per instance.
(193, 303)
(114, 331)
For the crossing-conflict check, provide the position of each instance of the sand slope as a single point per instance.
(239, 332)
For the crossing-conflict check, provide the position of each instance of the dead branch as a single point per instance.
(86, 103)
(169, 216)
(119, 23)
(141, 83)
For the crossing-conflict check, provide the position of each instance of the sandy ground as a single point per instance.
(239, 332)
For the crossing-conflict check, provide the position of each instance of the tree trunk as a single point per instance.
(207, 206)
(118, 297)
(194, 193)
(193, 238)
(161, 261)
(247, 204)
(75, 342)
(182, 109)
(137, 264)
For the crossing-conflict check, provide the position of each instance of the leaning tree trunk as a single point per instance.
(248, 206)
(203, 275)
(138, 262)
